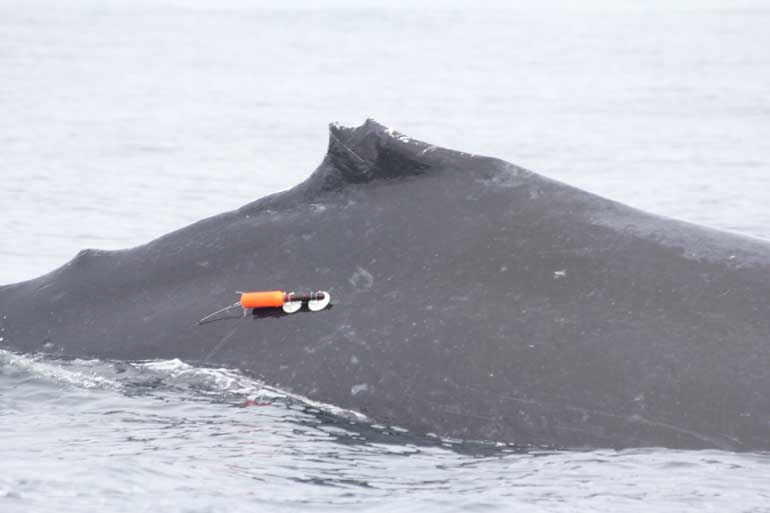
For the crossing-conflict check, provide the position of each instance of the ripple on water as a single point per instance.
(171, 436)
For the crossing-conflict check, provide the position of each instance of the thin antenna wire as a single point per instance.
(209, 316)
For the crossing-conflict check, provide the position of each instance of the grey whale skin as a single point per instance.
(472, 299)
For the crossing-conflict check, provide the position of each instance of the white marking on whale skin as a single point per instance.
(559, 274)
(362, 279)
(637, 418)
(504, 180)
(698, 243)
(397, 135)
(426, 150)
(359, 389)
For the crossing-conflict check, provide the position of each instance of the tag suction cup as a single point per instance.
(320, 301)
(290, 306)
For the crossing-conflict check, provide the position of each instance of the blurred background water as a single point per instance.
(122, 120)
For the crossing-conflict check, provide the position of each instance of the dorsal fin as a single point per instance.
(366, 153)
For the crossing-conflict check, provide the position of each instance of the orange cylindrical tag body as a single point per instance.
(266, 299)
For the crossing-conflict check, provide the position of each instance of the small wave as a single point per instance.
(174, 377)
(79, 373)
(218, 380)
(159, 376)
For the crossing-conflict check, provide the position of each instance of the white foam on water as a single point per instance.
(57, 372)
(88, 374)
(232, 381)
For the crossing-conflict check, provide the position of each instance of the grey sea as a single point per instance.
(123, 120)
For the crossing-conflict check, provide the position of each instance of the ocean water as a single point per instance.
(122, 120)
(165, 436)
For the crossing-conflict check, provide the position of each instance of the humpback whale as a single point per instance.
(471, 299)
